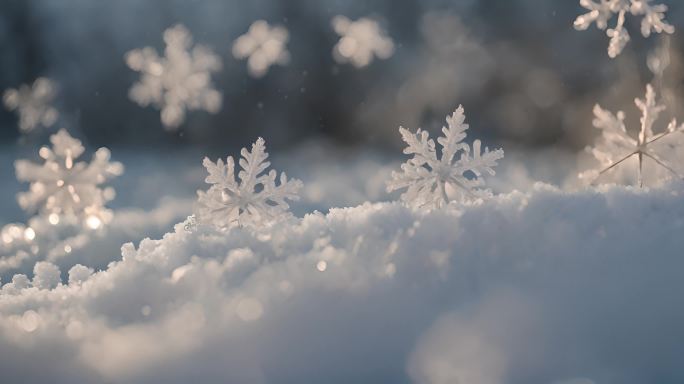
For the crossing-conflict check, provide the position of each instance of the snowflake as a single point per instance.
(33, 104)
(360, 41)
(616, 146)
(179, 81)
(262, 46)
(603, 11)
(63, 188)
(432, 182)
(254, 201)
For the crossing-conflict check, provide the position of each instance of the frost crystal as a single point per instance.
(262, 46)
(432, 182)
(254, 201)
(62, 187)
(360, 41)
(617, 146)
(33, 104)
(179, 81)
(603, 11)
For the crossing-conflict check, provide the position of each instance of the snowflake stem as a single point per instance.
(615, 164)
(662, 164)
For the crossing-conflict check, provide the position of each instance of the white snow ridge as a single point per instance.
(539, 287)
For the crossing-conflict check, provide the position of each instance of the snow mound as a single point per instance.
(538, 287)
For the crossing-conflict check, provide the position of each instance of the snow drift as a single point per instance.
(539, 287)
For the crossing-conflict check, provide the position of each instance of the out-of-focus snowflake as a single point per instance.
(62, 188)
(360, 41)
(262, 46)
(603, 11)
(179, 81)
(254, 201)
(616, 146)
(432, 181)
(33, 104)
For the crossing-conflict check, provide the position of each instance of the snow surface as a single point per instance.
(544, 286)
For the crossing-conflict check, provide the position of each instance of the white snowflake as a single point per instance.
(62, 188)
(616, 146)
(602, 12)
(179, 81)
(262, 46)
(33, 104)
(254, 201)
(360, 41)
(432, 181)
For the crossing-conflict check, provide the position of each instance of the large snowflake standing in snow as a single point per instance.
(432, 181)
(254, 201)
(62, 187)
(262, 46)
(603, 11)
(179, 81)
(360, 41)
(616, 146)
(33, 103)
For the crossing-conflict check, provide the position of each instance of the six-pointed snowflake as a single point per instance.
(616, 146)
(179, 81)
(62, 187)
(360, 41)
(262, 46)
(33, 104)
(254, 201)
(603, 11)
(432, 181)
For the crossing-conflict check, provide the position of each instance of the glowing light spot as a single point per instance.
(146, 310)
(93, 222)
(390, 269)
(44, 152)
(53, 219)
(322, 266)
(29, 234)
(249, 309)
(30, 321)
(67, 248)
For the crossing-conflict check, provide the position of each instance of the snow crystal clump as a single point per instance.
(432, 181)
(360, 41)
(179, 81)
(602, 12)
(63, 187)
(33, 104)
(262, 46)
(500, 292)
(254, 201)
(616, 146)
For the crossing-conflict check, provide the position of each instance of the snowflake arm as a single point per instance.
(33, 104)
(431, 181)
(62, 186)
(256, 200)
(179, 81)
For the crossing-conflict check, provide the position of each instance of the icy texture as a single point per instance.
(64, 188)
(404, 296)
(432, 181)
(262, 46)
(179, 81)
(33, 104)
(360, 41)
(601, 12)
(255, 201)
(616, 146)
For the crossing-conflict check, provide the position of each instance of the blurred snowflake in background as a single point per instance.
(603, 11)
(179, 81)
(262, 46)
(360, 41)
(433, 182)
(62, 188)
(33, 104)
(254, 201)
(616, 146)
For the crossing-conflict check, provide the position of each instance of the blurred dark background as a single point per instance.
(526, 78)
